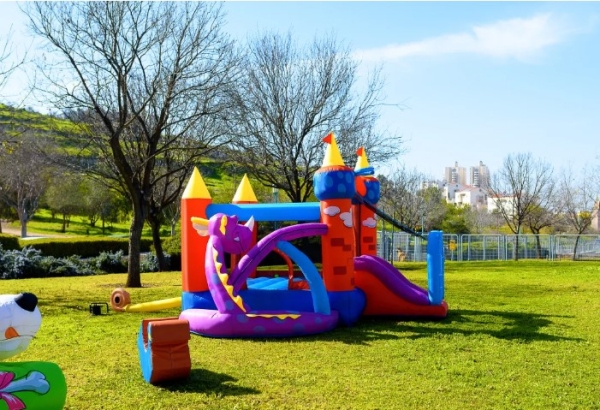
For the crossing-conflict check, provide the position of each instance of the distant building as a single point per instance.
(480, 176)
(455, 175)
(432, 183)
(596, 217)
(472, 196)
(450, 191)
(507, 203)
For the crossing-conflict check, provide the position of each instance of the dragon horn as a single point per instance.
(250, 223)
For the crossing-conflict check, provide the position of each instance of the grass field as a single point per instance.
(519, 335)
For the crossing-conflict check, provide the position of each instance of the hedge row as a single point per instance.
(9, 242)
(83, 247)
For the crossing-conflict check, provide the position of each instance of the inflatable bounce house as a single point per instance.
(26, 385)
(352, 282)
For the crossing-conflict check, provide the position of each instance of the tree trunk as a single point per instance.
(173, 225)
(538, 244)
(135, 246)
(575, 247)
(64, 224)
(516, 255)
(160, 256)
(23, 220)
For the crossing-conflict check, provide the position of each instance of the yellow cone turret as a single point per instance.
(362, 162)
(245, 193)
(196, 188)
(332, 152)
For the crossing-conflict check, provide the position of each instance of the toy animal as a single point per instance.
(26, 385)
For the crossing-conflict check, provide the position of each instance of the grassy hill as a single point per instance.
(15, 121)
(221, 179)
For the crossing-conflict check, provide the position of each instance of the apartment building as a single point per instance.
(480, 176)
(455, 174)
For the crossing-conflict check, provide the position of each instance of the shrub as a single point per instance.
(172, 251)
(9, 242)
(29, 263)
(17, 264)
(111, 262)
(71, 266)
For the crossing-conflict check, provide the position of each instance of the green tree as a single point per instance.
(101, 203)
(64, 196)
(456, 220)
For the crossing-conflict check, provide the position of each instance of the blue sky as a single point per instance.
(477, 80)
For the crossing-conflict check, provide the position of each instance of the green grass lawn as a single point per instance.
(519, 335)
(43, 223)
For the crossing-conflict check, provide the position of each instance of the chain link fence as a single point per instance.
(401, 247)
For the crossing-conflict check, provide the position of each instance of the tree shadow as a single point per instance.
(518, 326)
(205, 381)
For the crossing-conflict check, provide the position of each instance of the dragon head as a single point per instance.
(234, 237)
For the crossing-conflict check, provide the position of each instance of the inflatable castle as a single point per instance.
(352, 281)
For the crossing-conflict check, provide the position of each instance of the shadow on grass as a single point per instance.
(524, 327)
(205, 381)
(519, 326)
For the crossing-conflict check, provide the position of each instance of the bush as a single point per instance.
(29, 263)
(111, 262)
(149, 262)
(17, 264)
(71, 266)
(172, 251)
(171, 245)
(9, 242)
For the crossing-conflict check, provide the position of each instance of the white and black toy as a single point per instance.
(20, 319)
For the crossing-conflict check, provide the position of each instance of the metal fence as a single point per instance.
(400, 247)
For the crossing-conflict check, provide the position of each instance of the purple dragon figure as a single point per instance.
(233, 318)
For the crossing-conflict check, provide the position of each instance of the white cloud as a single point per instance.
(370, 222)
(519, 38)
(331, 210)
(347, 218)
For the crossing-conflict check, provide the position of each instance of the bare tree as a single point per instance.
(519, 188)
(578, 198)
(481, 221)
(23, 178)
(403, 198)
(290, 98)
(9, 61)
(540, 217)
(145, 76)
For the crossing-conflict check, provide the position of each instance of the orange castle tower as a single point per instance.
(365, 224)
(194, 201)
(334, 187)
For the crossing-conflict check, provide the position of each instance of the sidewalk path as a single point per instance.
(10, 230)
